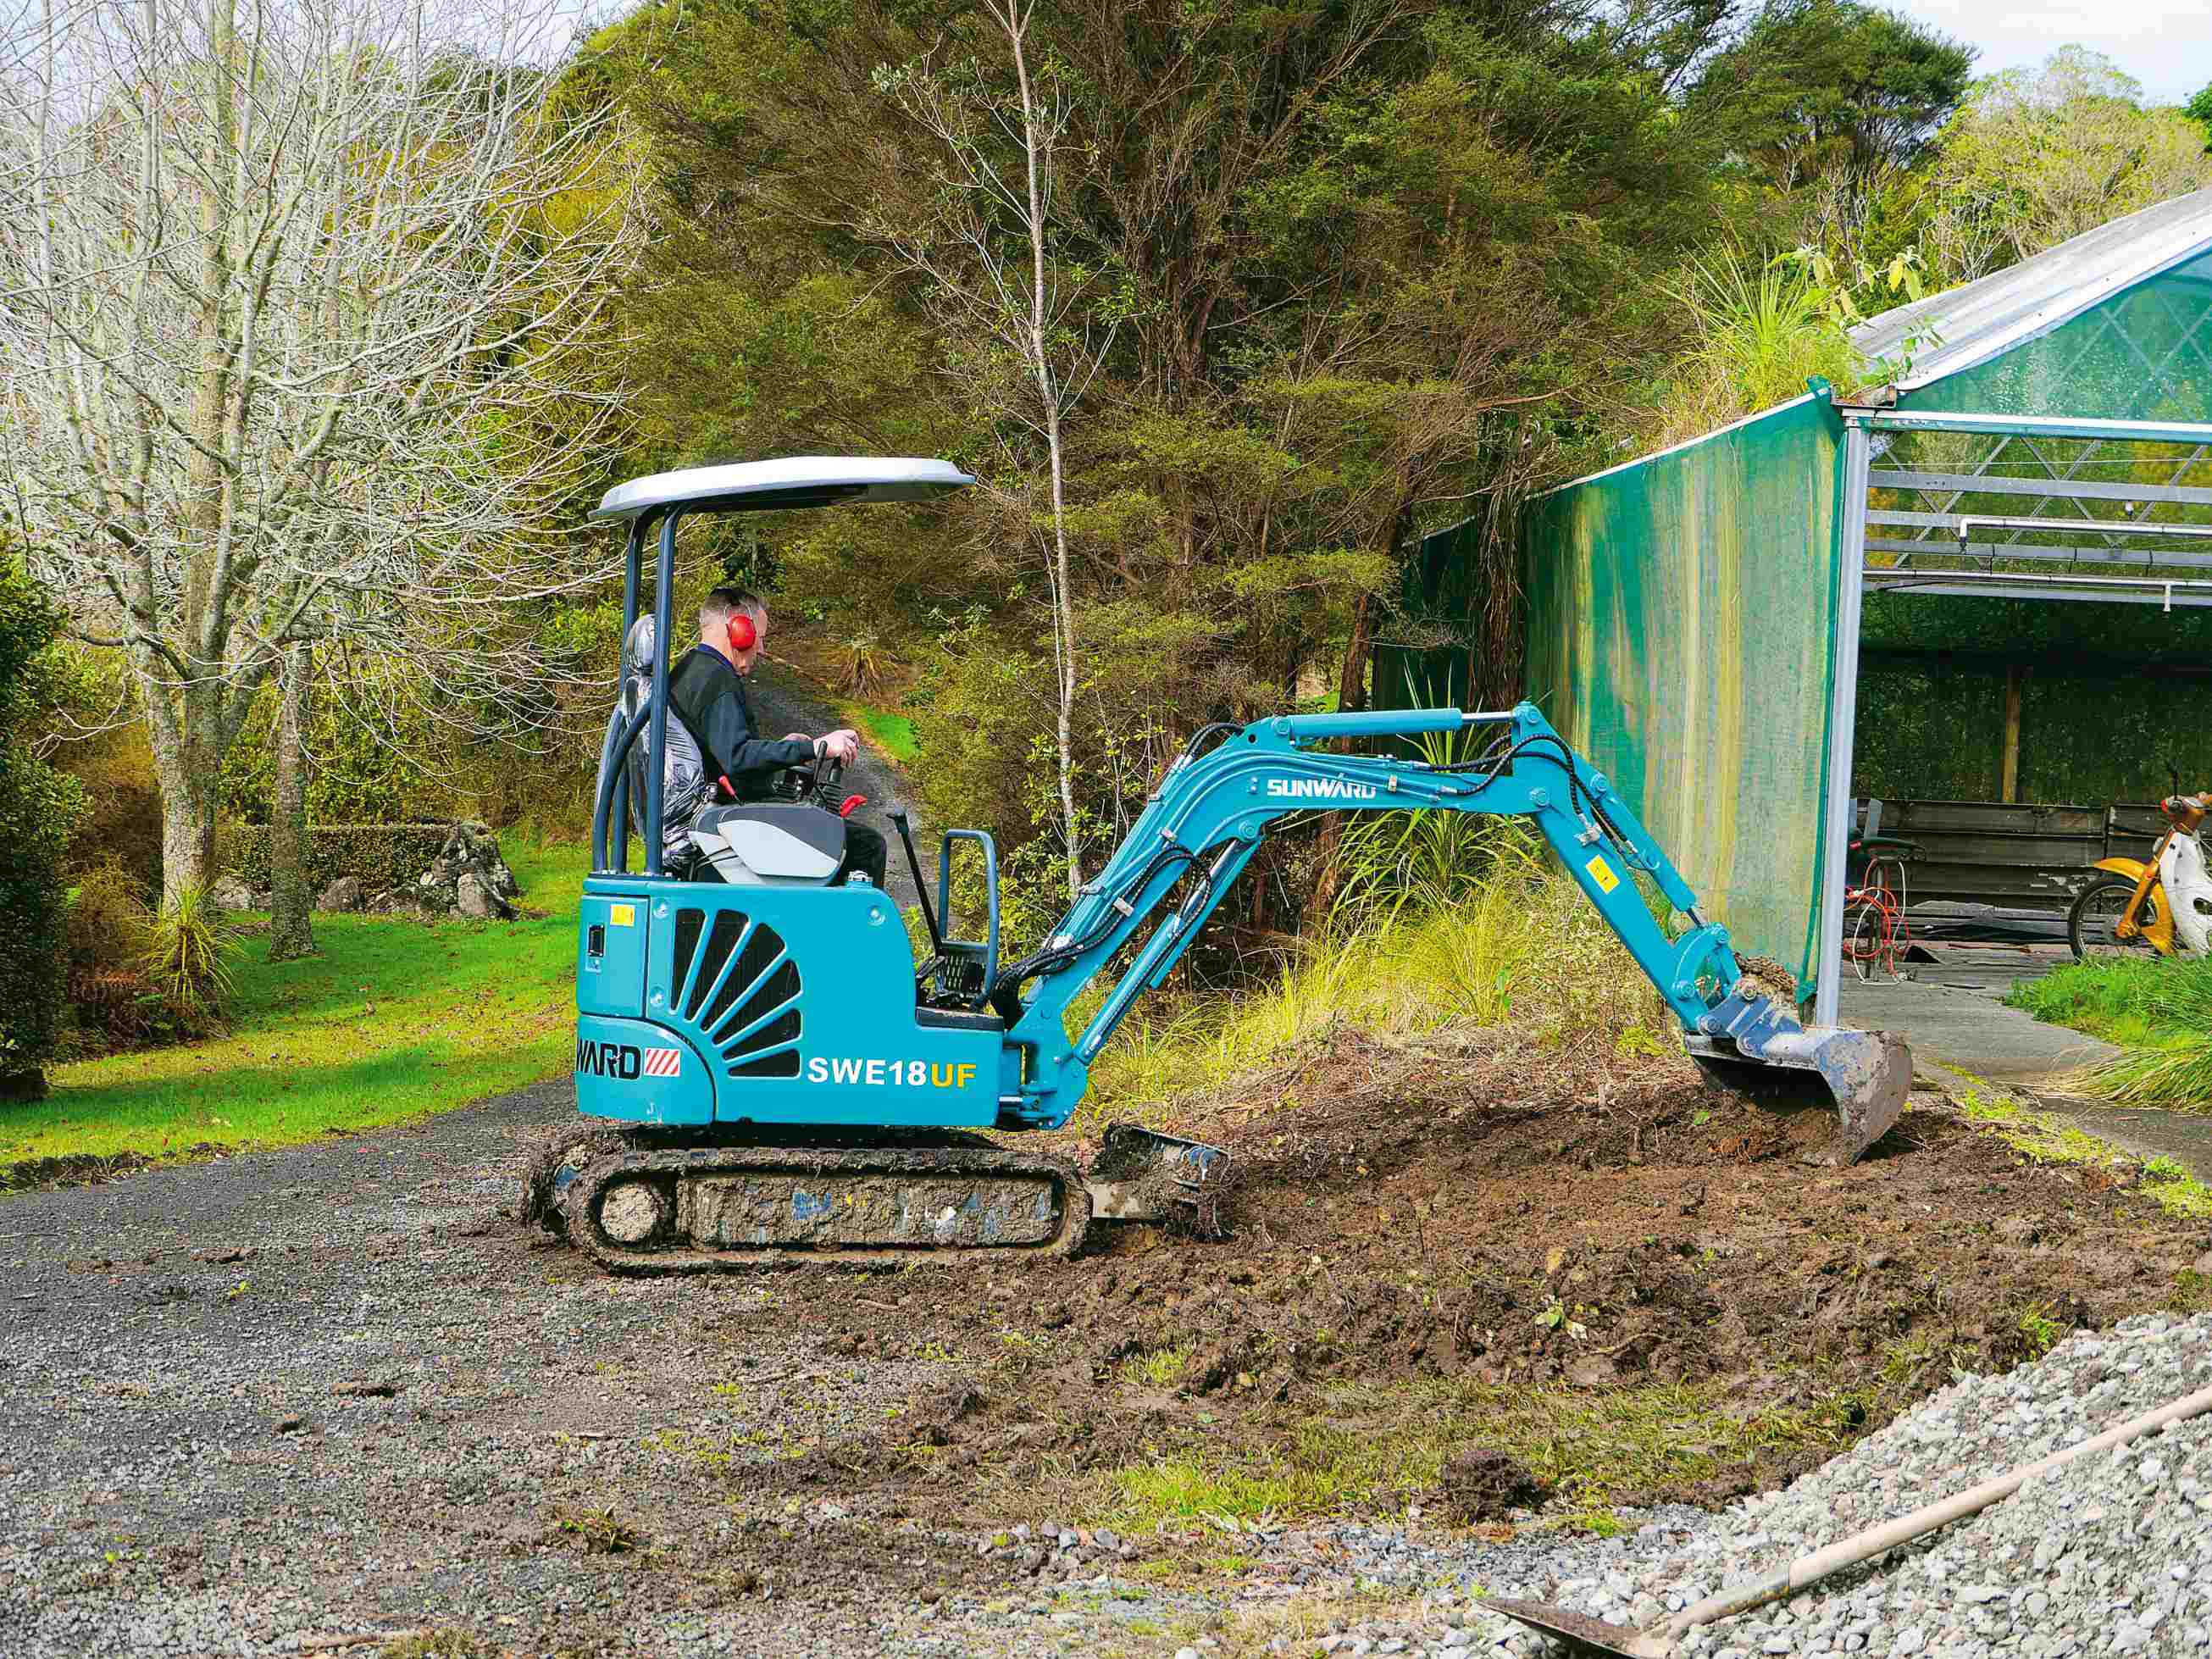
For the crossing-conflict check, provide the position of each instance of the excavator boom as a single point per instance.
(1209, 813)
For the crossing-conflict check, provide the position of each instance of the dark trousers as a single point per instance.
(864, 851)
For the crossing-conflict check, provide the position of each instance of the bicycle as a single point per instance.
(1876, 934)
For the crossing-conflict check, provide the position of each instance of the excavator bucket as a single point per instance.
(1863, 1077)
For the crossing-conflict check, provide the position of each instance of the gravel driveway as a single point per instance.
(257, 1405)
(395, 1409)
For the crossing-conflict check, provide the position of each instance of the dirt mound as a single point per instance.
(1485, 1484)
(1490, 1215)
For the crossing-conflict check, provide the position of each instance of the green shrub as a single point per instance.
(39, 808)
(122, 821)
(189, 944)
(1759, 330)
(103, 954)
(379, 856)
(106, 929)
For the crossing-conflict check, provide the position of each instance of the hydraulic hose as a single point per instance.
(1057, 956)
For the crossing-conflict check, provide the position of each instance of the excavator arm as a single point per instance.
(1205, 820)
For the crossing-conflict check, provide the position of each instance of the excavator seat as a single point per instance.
(769, 843)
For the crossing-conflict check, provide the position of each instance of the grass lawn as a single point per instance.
(2130, 1000)
(394, 1019)
(891, 732)
(2158, 1010)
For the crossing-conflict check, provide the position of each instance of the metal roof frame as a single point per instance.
(1969, 324)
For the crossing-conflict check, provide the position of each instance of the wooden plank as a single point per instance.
(2009, 786)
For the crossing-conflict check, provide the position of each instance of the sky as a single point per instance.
(2165, 44)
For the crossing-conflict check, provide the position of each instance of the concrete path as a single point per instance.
(1953, 1016)
(1970, 1030)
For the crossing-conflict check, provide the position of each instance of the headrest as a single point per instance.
(638, 653)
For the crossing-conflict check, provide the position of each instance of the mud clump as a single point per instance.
(1484, 1483)
(1769, 978)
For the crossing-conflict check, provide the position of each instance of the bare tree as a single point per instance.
(291, 901)
(300, 303)
(984, 247)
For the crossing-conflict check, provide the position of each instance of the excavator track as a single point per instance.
(736, 1208)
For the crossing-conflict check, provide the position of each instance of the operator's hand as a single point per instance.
(798, 737)
(842, 745)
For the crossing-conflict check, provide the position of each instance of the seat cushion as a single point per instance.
(780, 840)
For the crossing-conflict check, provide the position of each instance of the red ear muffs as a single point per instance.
(743, 635)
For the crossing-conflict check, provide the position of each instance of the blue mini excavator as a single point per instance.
(764, 1073)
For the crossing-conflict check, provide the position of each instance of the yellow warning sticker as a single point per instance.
(1601, 874)
(625, 915)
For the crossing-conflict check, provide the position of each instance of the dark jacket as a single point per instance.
(709, 695)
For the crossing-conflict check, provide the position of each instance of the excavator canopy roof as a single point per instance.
(795, 481)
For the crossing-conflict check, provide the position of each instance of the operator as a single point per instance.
(707, 691)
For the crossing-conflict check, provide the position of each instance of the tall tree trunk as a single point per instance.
(291, 904)
(1351, 684)
(189, 786)
(1014, 18)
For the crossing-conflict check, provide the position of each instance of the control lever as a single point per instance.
(897, 815)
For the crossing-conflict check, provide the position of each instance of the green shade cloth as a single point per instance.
(2143, 355)
(1681, 634)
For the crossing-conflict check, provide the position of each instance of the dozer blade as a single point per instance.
(1863, 1077)
(1142, 1175)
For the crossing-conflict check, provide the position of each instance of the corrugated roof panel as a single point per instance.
(1969, 324)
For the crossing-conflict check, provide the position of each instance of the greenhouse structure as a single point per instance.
(1987, 579)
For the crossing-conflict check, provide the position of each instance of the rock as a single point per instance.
(468, 877)
(290, 1424)
(229, 893)
(344, 894)
(1592, 1371)
(472, 898)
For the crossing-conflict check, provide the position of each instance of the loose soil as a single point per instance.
(343, 1387)
(1478, 1213)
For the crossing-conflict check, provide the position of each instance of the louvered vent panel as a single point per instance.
(738, 993)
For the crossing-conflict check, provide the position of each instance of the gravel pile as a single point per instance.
(2111, 1555)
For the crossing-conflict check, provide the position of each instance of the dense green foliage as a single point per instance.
(1332, 277)
(381, 856)
(39, 808)
(2099, 723)
(1320, 281)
